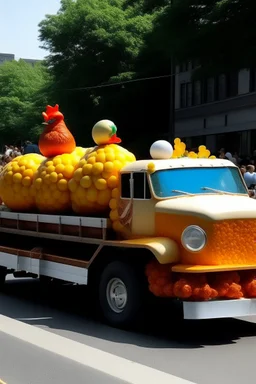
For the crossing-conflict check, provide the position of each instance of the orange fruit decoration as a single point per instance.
(56, 138)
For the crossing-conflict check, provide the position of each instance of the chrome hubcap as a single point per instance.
(116, 295)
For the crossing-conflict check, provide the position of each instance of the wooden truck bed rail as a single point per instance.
(70, 228)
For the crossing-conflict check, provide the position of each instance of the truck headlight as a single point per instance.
(193, 238)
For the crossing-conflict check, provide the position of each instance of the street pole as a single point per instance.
(172, 102)
(172, 98)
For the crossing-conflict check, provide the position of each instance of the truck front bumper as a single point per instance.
(215, 309)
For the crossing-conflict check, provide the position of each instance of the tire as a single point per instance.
(125, 309)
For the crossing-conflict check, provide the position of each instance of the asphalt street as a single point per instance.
(202, 352)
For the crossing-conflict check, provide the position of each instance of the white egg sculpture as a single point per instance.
(161, 149)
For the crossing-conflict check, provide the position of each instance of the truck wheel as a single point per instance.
(2, 276)
(121, 292)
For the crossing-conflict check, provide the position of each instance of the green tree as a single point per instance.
(220, 35)
(100, 42)
(22, 99)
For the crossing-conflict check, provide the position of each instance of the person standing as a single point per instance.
(30, 148)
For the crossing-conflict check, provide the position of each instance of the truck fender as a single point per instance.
(165, 250)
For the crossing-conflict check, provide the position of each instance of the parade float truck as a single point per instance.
(180, 225)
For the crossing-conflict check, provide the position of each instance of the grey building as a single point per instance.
(31, 61)
(9, 57)
(6, 57)
(218, 112)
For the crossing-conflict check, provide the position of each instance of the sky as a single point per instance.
(19, 21)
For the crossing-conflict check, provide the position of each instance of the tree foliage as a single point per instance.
(221, 35)
(100, 42)
(112, 59)
(22, 97)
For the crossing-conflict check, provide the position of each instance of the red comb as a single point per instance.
(50, 110)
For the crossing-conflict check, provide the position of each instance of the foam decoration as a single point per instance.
(104, 132)
(200, 287)
(56, 138)
(151, 167)
(161, 149)
(95, 177)
(181, 151)
(16, 182)
(51, 181)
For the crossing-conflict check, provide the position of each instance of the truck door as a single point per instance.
(138, 205)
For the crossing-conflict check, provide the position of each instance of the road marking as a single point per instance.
(32, 319)
(118, 367)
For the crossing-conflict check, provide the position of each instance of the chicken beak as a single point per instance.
(114, 140)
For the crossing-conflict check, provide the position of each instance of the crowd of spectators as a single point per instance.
(11, 151)
(246, 165)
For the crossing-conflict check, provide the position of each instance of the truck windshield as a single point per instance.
(175, 182)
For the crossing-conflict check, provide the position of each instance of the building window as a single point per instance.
(252, 79)
(184, 67)
(232, 84)
(210, 90)
(186, 95)
(183, 96)
(189, 91)
(222, 87)
(197, 93)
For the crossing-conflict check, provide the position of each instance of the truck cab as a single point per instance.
(173, 186)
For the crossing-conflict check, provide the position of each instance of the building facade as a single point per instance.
(10, 57)
(6, 57)
(32, 62)
(219, 112)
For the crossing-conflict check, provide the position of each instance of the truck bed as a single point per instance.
(57, 246)
(76, 228)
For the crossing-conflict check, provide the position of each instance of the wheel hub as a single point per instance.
(116, 295)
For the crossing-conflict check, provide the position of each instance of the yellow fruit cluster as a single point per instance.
(180, 151)
(16, 182)
(97, 174)
(114, 214)
(51, 181)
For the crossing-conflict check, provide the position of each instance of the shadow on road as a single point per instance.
(69, 308)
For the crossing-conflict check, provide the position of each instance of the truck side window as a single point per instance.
(125, 185)
(141, 187)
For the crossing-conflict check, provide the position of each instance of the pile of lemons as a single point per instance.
(16, 182)
(51, 181)
(96, 176)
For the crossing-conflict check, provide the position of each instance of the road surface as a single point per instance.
(53, 338)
